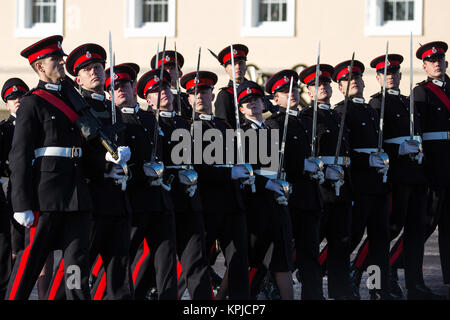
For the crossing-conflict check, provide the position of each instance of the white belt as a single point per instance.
(266, 173)
(224, 165)
(342, 161)
(175, 167)
(74, 152)
(400, 140)
(442, 135)
(366, 150)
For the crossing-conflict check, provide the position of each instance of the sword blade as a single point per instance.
(411, 92)
(283, 141)
(383, 101)
(195, 90)
(178, 82)
(236, 109)
(111, 77)
(314, 125)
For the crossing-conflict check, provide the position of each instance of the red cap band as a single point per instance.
(117, 77)
(152, 82)
(313, 76)
(237, 53)
(168, 59)
(48, 49)
(14, 89)
(345, 71)
(86, 57)
(201, 82)
(248, 92)
(280, 82)
(390, 63)
(432, 51)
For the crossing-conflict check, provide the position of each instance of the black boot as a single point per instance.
(394, 286)
(355, 278)
(422, 292)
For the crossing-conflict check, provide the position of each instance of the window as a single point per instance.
(393, 17)
(150, 18)
(39, 18)
(268, 18)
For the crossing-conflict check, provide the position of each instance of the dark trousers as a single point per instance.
(190, 235)
(306, 229)
(5, 252)
(158, 228)
(110, 238)
(68, 231)
(443, 224)
(336, 226)
(231, 231)
(372, 211)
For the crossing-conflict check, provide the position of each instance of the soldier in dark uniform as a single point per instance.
(110, 235)
(12, 235)
(268, 219)
(305, 203)
(370, 194)
(431, 98)
(153, 215)
(222, 199)
(49, 195)
(224, 105)
(336, 218)
(406, 174)
(175, 74)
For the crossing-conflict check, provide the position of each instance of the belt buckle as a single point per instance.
(448, 135)
(345, 161)
(75, 152)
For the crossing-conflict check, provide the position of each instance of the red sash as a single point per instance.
(58, 103)
(439, 93)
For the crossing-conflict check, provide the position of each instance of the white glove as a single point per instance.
(124, 154)
(150, 172)
(239, 172)
(376, 161)
(310, 166)
(275, 187)
(407, 147)
(115, 173)
(25, 218)
(331, 174)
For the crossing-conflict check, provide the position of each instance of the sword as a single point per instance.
(281, 173)
(335, 166)
(318, 175)
(189, 176)
(380, 151)
(178, 82)
(251, 180)
(158, 166)
(418, 156)
(123, 181)
(214, 55)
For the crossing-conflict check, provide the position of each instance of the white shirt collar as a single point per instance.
(358, 100)
(393, 92)
(206, 117)
(293, 112)
(437, 82)
(259, 124)
(324, 106)
(52, 86)
(127, 110)
(167, 114)
(98, 96)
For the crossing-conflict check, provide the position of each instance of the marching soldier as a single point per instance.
(224, 105)
(336, 190)
(370, 194)
(305, 203)
(110, 236)
(221, 194)
(173, 62)
(49, 193)
(268, 218)
(153, 209)
(431, 98)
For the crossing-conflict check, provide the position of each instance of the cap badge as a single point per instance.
(167, 59)
(88, 55)
(235, 52)
(14, 88)
(156, 78)
(196, 80)
(59, 44)
(433, 50)
(286, 79)
(249, 91)
(115, 76)
(349, 68)
(320, 73)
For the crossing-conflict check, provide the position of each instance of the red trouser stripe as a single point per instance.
(179, 270)
(141, 259)
(23, 261)
(396, 253)
(97, 266)
(323, 256)
(57, 281)
(251, 275)
(101, 288)
(362, 256)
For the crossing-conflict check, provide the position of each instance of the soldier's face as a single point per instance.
(281, 98)
(92, 77)
(166, 98)
(240, 67)
(13, 104)
(324, 91)
(123, 94)
(205, 97)
(356, 86)
(435, 68)
(51, 68)
(175, 73)
(392, 79)
(253, 108)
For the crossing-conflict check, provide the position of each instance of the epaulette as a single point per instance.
(339, 104)
(422, 83)
(376, 95)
